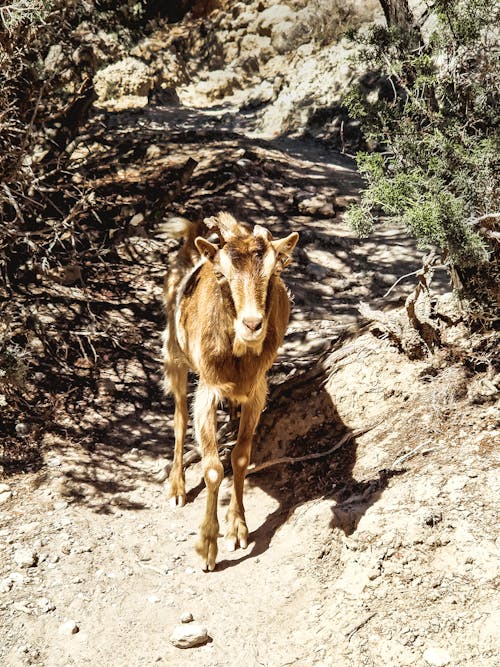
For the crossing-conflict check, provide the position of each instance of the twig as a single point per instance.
(407, 275)
(258, 467)
(360, 625)
(408, 455)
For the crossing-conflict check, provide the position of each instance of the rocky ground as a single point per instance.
(384, 552)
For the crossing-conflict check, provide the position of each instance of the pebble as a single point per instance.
(437, 657)
(5, 585)
(153, 599)
(5, 493)
(22, 428)
(317, 206)
(68, 628)
(187, 617)
(45, 605)
(189, 635)
(25, 557)
(137, 220)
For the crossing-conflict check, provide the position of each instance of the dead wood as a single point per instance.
(414, 332)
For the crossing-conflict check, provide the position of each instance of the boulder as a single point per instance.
(127, 80)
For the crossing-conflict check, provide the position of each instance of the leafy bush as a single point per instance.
(435, 123)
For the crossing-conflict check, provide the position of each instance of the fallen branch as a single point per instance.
(258, 467)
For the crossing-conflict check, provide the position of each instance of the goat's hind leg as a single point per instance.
(176, 375)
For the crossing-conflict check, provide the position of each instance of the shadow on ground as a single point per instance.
(98, 337)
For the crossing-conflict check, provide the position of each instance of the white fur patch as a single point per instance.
(242, 461)
(212, 474)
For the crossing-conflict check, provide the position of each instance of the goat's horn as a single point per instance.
(258, 230)
(226, 224)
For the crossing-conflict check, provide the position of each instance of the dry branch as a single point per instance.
(258, 467)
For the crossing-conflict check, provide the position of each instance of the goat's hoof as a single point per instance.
(206, 547)
(237, 535)
(177, 501)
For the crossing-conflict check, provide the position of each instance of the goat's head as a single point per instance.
(244, 266)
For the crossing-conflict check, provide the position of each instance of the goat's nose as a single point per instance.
(253, 324)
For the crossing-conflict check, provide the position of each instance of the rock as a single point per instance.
(281, 37)
(261, 94)
(22, 428)
(317, 205)
(54, 58)
(187, 617)
(68, 628)
(25, 557)
(127, 78)
(45, 605)
(5, 495)
(273, 17)
(189, 635)
(135, 221)
(437, 657)
(259, 47)
(219, 84)
(4, 488)
(153, 599)
(5, 585)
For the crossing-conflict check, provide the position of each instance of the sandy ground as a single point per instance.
(364, 557)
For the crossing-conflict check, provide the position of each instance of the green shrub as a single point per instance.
(435, 125)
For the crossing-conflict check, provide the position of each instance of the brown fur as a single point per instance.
(226, 323)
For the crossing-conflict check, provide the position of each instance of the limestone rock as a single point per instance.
(5, 493)
(125, 79)
(437, 657)
(68, 628)
(189, 635)
(25, 557)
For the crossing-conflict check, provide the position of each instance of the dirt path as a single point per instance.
(354, 560)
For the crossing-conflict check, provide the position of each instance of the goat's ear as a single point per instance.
(205, 248)
(258, 230)
(285, 246)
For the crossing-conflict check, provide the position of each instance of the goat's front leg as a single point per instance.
(237, 531)
(205, 412)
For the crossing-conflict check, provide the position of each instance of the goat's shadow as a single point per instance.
(289, 484)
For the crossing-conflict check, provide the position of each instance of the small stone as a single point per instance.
(437, 657)
(4, 487)
(60, 505)
(25, 557)
(189, 635)
(22, 428)
(153, 599)
(137, 220)
(45, 605)
(6, 584)
(318, 205)
(4, 496)
(68, 628)
(187, 617)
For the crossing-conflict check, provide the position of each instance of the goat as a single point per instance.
(227, 313)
